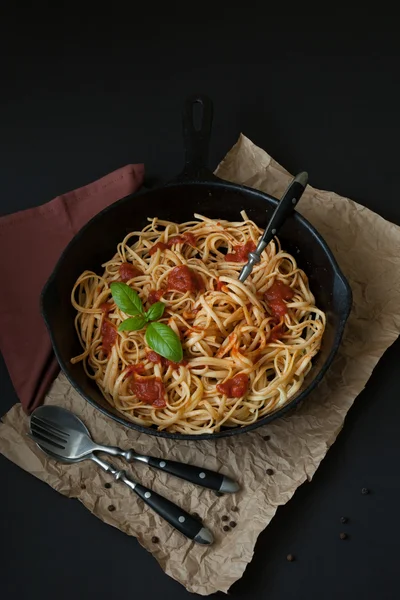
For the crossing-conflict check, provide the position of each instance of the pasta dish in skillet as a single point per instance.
(175, 341)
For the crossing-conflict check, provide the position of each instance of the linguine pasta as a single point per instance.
(247, 347)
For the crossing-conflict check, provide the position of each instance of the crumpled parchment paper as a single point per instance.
(368, 250)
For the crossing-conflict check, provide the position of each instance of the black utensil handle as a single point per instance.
(176, 516)
(197, 475)
(197, 139)
(284, 209)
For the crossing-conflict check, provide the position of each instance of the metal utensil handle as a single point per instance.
(176, 516)
(204, 477)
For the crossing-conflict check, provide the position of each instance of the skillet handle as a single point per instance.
(196, 136)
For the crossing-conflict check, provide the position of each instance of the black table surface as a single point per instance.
(76, 105)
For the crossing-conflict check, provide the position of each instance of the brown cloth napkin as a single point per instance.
(31, 241)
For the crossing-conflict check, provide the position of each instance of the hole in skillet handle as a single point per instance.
(197, 119)
(197, 115)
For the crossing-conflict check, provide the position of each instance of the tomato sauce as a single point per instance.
(160, 245)
(149, 390)
(236, 387)
(127, 271)
(186, 238)
(183, 330)
(106, 307)
(276, 332)
(190, 239)
(241, 252)
(109, 335)
(156, 358)
(154, 296)
(139, 368)
(220, 285)
(275, 297)
(184, 279)
(174, 365)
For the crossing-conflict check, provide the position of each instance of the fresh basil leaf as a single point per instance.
(133, 324)
(155, 311)
(163, 340)
(126, 298)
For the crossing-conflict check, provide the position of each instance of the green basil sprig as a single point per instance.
(133, 324)
(164, 341)
(126, 298)
(159, 337)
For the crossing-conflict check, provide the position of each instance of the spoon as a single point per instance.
(72, 436)
(185, 523)
(281, 213)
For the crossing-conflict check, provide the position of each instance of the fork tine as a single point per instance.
(48, 426)
(57, 428)
(47, 430)
(45, 442)
(48, 435)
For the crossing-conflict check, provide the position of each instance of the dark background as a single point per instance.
(75, 105)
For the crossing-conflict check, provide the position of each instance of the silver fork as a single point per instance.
(59, 426)
(53, 440)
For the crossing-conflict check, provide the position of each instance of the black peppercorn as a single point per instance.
(83, 486)
(266, 438)
(270, 472)
(232, 524)
(225, 528)
(343, 536)
(290, 557)
(225, 518)
(155, 539)
(107, 485)
(343, 519)
(235, 508)
(111, 508)
(365, 491)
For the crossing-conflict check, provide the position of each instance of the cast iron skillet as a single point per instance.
(195, 190)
